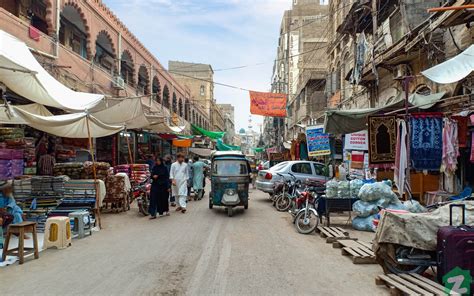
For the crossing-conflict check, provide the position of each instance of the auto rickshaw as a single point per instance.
(230, 178)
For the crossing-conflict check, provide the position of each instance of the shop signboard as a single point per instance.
(357, 141)
(317, 141)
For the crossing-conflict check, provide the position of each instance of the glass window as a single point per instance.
(319, 169)
(230, 168)
(302, 168)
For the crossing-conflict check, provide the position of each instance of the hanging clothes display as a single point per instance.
(401, 159)
(449, 162)
(463, 130)
(382, 139)
(426, 147)
(293, 150)
(303, 151)
(472, 140)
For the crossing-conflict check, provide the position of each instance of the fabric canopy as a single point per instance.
(209, 134)
(21, 72)
(133, 113)
(69, 125)
(220, 146)
(204, 152)
(453, 70)
(9, 116)
(339, 122)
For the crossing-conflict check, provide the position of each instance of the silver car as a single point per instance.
(301, 169)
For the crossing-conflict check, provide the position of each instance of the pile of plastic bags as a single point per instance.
(375, 197)
(343, 189)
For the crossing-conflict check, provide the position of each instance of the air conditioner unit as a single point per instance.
(118, 83)
(401, 71)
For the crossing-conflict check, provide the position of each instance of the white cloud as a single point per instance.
(223, 33)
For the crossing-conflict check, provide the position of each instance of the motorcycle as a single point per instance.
(141, 192)
(290, 191)
(306, 219)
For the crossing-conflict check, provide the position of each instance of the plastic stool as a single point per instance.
(57, 233)
(21, 229)
(82, 221)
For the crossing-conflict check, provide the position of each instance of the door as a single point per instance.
(302, 170)
(319, 172)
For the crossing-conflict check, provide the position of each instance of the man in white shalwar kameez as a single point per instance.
(179, 177)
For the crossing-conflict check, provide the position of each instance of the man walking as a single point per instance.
(168, 163)
(198, 178)
(179, 179)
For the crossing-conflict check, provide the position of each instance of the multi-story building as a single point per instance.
(199, 78)
(85, 46)
(300, 69)
(217, 118)
(229, 122)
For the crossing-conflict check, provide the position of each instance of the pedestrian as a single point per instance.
(179, 180)
(198, 177)
(46, 163)
(9, 210)
(160, 188)
(168, 164)
(190, 176)
(150, 161)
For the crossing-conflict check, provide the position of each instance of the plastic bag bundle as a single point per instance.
(331, 188)
(414, 206)
(344, 189)
(356, 185)
(364, 223)
(364, 209)
(376, 191)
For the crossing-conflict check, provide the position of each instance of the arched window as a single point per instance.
(175, 103)
(156, 89)
(143, 82)
(180, 108)
(166, 97)
(105, 52)
(127, 68)
(73, 32)
(186, 110)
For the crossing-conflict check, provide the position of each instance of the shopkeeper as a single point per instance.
(8, 206)
(46, 163)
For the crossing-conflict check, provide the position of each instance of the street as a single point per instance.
(202, 252)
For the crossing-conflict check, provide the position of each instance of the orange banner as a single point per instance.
(183, 143)
(268, 104)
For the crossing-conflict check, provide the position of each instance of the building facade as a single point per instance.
(85, 46)
(228, 111)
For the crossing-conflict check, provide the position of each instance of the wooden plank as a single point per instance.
(337, 232)
(324, 234)
(363, 252)
(363, 260)
(343, 231)
(349, 252)
(389, 282)
(367, 245)
(332, 232)
(409, 285)
(428, 281)
(427, 286)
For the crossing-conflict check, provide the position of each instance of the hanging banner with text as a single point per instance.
(268, 104)
(357, 141)
(318, 142)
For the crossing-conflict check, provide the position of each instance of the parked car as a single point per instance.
(301, 169)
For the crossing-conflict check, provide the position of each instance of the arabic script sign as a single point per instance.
(268, 104)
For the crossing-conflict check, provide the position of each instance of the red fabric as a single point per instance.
(297, 151)
(34, 33)
(426, 114)
(168, 137)
(462, 130)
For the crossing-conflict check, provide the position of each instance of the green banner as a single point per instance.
(213, 135)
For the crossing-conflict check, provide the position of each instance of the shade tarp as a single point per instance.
(21, 72)
(210, 134)
(221, 146)
(9, 116)
(69, 125)
(339, 122)
(454, 69)
(133, 113)
(204, 152)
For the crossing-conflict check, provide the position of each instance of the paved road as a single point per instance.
(202, 252)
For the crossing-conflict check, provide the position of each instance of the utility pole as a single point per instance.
(288, 52)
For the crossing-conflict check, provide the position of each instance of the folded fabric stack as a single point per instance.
(11, 163)
(71, 169)
(65, 155)
(139, 172)
(78, 195)
(7, 133)
(102, 170)
(123, 168)
(29, 154)
(116, 187)
(22, 189)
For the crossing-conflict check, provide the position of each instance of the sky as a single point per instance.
(223, 33)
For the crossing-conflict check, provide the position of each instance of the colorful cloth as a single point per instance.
(401, 161)
(449, 161)
(463, 130)
(303, 151)
(426, 147)
(382, 139)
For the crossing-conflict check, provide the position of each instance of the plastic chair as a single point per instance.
(81, 223)
(57, 233)
(466, 193)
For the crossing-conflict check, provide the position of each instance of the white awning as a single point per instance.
(69, 125)
(21, 72)
(9, 116)
(453, 70)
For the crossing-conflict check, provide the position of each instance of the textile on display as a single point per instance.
(471, 118)
(449, 161)
(382, 139)
(32, 81)
(102, 170)
(463, 130)
(401, 159)
(426, 143)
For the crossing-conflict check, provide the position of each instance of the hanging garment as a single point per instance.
(426, 142)
(303, 151)
(293, 150)
(463, 130)
(449, 160)
(297, 156)
(401, 160)
(382, 139)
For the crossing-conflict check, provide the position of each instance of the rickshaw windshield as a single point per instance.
(230, 168)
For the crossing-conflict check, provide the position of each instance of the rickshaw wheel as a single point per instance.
(230, 212)
(246, 206)
(210, 204)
